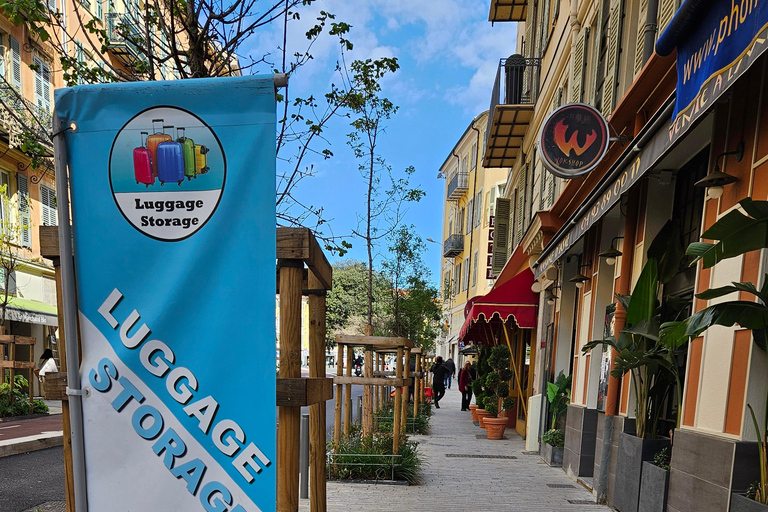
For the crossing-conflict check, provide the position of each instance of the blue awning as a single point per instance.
(689, 13)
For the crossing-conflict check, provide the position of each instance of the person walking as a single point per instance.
(439, 372)
(465, 385)
(449, 364)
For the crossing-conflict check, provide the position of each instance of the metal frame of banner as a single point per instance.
(70, 315)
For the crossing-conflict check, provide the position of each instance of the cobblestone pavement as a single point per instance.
(457, 478)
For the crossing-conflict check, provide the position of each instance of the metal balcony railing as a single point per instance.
(453, 246)
(517, 83)
(17, 114)
(123, 34)
(458, 185)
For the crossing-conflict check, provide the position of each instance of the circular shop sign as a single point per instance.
(167, 171)
(573, 140)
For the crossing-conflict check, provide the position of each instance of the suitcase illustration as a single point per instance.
(157, 138)
(188, 149)
(201, 160)
(170, 162)
(142, 163)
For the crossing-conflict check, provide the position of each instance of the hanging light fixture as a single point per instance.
(611, 254)
(716, 180)
(579, 279)
(551, 296)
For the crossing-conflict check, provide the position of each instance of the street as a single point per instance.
(31, 479)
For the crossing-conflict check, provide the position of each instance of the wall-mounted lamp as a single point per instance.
(611, 254)
(580, 278)
(551, 296)
(716, 180)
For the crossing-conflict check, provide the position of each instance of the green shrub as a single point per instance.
(357, 458)
(385, 418)
(508, 403)
(491, 406)
(661, 458)
(16, 402)
(39, 407)
(554, 437)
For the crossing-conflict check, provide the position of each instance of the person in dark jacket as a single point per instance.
(451, 366)
(465, 385)
(438, 381)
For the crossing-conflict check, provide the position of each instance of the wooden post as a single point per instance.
(376, 388)
(406, 390)
(398, 407)
(367, 419)
(49, 248)
(339, 395)
(289, 418)
(348, 395)
(317, 494)
(417, 391)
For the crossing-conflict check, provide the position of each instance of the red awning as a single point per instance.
(513, 300)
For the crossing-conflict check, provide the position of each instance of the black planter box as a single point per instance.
(654, 483)
(740, 503)
(552, 455)
(633, 451)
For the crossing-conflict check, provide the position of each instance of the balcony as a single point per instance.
(507, 10)
(458, 186)
(123, 35)
(453, 246)
(511, 110)
(18, 114)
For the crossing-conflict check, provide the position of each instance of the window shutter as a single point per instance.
(492, 202)
(579, 63)
(614, 48)
(46, 72)
(530, 23)
(598, 38)
(524, 185)
(23, 190)
(666, 12)
(474, 157)
(52, 5)
(468, 224)
(474, 268)
(100, 9)
(642, 15)
(551, 190)
(478, 211)
(520, 212)
(15, 63)
(2, 57)
(500, 235)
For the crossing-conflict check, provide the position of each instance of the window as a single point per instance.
(464, 164)
(465, 277)
(100, 9)
(468, 223)
(474, 157)
(601, 53)
(478, 207)
(48, 215)
(42, 85)
(474, 268)
(457, 278)
(25, 235)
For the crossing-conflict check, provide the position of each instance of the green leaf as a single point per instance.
(643, 303)
(714, 293)
(750, 315)
(737, 234)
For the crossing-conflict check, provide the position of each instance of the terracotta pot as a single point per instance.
(473, 412)
(482, 414)
(494, 427)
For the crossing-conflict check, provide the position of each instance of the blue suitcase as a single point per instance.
(170, 162)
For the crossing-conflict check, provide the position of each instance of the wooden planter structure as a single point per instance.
(295, 248)
(373, 345)
(17, 353)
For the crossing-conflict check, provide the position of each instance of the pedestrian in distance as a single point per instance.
(465, 385)
(439, 372)
(449, 364)
(46, 365)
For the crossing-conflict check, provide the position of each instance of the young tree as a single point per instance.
(164, 39)
(384, 207)
(10, 236)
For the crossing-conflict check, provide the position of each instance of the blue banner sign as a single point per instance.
(173, 214)
(716, 43)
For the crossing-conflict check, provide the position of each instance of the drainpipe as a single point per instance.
(620, 317)
(472, 227)
(649, 38)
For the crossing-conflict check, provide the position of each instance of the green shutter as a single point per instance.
(641, 18)
(500, 235)
(519, 216)
(579, 63)
(614, 48)
(551, 190)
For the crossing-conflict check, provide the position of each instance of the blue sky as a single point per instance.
(448, 53)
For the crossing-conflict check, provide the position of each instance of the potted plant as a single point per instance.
(650, 362)
(740, 231)
(497, 392)
(654, 483)
(553, 441)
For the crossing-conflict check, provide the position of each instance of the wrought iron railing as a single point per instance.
(18, 114)
(453, 245)
(122, 30)
(517, 83)
(457, 185)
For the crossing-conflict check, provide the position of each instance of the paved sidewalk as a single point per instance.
(31, 434)
(458, 479)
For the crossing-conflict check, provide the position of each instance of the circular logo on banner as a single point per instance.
(573, 140)
(167, 171)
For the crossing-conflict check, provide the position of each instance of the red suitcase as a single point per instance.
(142, 163)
